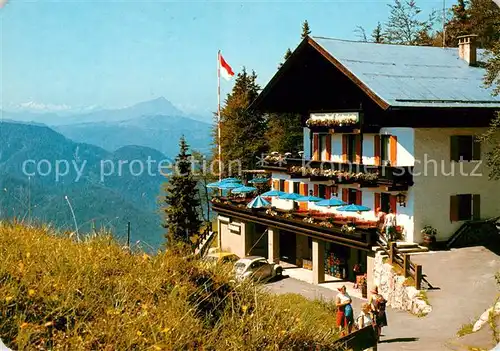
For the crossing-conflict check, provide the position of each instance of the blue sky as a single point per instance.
(117, 53)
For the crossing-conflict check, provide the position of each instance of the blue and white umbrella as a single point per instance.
(258, 202)
(271, 193)
(290, 196)
(353, 208)
(309, 198)
(331, 202)
(243, 190)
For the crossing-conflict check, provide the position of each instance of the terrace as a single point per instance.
(346, 230)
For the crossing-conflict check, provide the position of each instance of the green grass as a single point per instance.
(60, 295)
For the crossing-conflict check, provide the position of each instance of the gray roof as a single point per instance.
(413, 76)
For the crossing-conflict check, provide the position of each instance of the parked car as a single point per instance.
(257, 268)
(220, 257)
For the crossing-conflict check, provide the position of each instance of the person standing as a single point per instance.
(378, 304)
(345, 313)
(390, 225)
(365, 319)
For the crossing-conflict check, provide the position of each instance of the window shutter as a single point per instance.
(476, 207)
(315, 146)
(377, 149)
(345, 195)
(328, 192)
(377, 201)
(358, 149)
(316, 189)
(344, 147)
(301, 189)
(286, 186)
(306, 186)
(454, 149)
(454, 205)
(393, 203)
(476, 149)
(359, 197)
(393, 145)
(328, 147)
(276, 184)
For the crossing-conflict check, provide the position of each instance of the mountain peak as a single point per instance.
(157, 106)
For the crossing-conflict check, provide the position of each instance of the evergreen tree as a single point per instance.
(377, 34)
(492, 78)
(288, 53)
(182, 201)
(284, 132)
(306, 31)
(459, 24)
(484, 18)
(242, 130)
(361, 33)
(404, 25)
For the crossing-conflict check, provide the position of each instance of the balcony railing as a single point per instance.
(341, 172)
(351, 232)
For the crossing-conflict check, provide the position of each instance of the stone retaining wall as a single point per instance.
(392, 287)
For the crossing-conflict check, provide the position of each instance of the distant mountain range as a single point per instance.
(156, 124)
(99, 190)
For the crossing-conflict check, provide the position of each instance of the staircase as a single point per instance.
(204, 243)
(482, 232)
(403, 248)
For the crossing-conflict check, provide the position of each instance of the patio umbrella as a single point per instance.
(258, 202)
(244, 189)
(273, 193)
(331, 202)
(230, 180)
(291, 196)
(229, 185)
(353, 208)
(214, 185)
(258, 180)
(309, 198)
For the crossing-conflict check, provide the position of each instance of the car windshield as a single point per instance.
(239, 266)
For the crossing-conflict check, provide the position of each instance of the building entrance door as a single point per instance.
(288, 245)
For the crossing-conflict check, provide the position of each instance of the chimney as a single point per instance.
(467, 48)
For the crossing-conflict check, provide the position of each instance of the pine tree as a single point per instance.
(377, 34)
(242, 130)
(404, 25)
(284, 132)
(459, 24)
(484, 18)
(306, 31)
(182, 201)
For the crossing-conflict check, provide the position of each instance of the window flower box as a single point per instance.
(331, 121)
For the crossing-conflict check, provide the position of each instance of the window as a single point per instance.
(322, 146)
(282, 185)
(385, 202)
(351, 147)
(353, 195)
(464, 148)
(385, 149)
(296, 187)
(322, 191)
(464, 207)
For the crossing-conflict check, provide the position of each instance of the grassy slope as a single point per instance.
(57, 294)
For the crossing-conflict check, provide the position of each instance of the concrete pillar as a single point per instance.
(370, 266)
(273, 249)
(318, 261)
(301, 248)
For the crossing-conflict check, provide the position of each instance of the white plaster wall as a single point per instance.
(406, 142)
(282, 203)
(278, 175)
(369, 149)
(405, 217)
(336, 148)
(231, 242)
(435, 183)
(367, 198)
(307, 143)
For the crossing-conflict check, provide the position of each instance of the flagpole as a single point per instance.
(218, 115)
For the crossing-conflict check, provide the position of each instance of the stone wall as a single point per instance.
(392, 287)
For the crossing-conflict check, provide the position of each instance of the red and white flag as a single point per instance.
(225, 70)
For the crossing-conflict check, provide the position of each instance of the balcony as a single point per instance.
(347, 231)
(392, 178)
